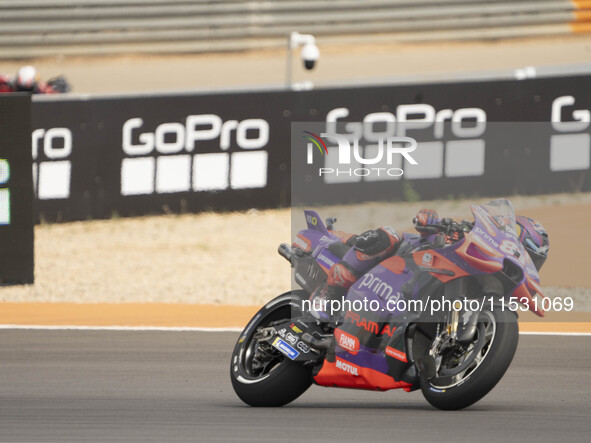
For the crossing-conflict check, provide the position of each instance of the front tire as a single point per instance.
(493, 349)
(262, 376)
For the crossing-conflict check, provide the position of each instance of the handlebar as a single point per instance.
(286, 252)
(446, 225)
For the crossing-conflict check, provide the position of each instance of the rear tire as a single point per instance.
(277, 380)
(496, 355)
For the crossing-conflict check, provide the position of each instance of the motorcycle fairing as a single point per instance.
(315, 223)
(495, 224)
(488, 249)
(344, 374)
(379, 337)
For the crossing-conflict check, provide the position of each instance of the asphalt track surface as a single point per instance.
(175, 386)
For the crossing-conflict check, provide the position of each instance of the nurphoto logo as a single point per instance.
(380, 163)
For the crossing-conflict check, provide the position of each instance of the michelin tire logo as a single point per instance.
(285, 348)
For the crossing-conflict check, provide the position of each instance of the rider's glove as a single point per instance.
(426, 217)
(453, 237)
(377, 242)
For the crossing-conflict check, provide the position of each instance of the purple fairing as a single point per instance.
(495, 226)
(365, 357)
(380, 287)
(493, 241)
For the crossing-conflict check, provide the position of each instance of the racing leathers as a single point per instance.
(368, 249)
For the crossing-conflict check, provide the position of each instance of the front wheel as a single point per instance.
(261, 375)
(466, 373)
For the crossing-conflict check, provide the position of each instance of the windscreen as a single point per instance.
(499, 214)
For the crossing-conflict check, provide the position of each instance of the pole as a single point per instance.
(288, 68)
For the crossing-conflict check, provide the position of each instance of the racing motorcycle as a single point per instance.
(439, 315)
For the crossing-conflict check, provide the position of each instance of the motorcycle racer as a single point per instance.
(400, 325)
(367, 250)
(534, 239)
(27, 80)
(531, 234)
(374, 246)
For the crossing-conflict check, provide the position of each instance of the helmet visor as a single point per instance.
(538, 254)
(538, 259)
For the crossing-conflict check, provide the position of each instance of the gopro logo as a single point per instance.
(169, 159)
(570, 148)
(52, 167)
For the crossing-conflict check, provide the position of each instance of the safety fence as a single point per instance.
(33, 28)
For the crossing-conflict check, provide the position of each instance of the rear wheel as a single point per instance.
(466, 373)
(261, 375)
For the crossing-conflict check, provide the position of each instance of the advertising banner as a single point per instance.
(109, 156)
(131, 156)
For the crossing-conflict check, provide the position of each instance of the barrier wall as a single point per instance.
(533, 137)
(45, 28)
(178, 153)
(105, 156)
(16, 193)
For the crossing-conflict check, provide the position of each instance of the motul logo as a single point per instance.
(347, 367)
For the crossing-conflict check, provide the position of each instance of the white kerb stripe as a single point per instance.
(201, 329)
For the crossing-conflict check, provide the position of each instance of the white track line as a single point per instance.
(198, 329)
(121, 328)
(574, 334)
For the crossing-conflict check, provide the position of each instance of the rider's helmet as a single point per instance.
(26, 79)
(534, 239)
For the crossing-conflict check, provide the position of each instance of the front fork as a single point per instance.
(452, 325)
(461, 325)
(462, 322)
